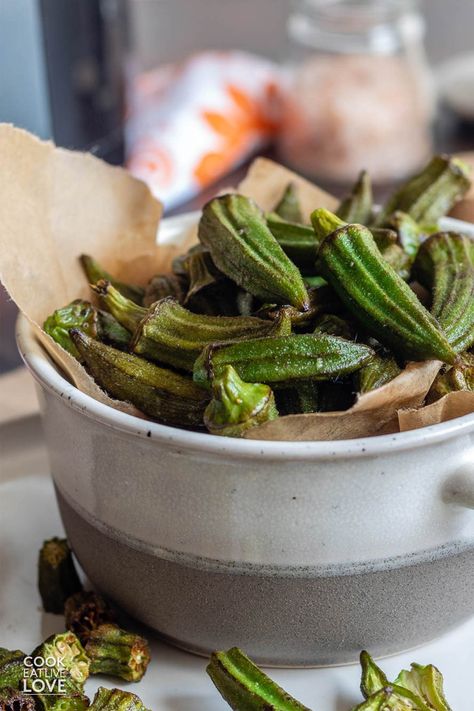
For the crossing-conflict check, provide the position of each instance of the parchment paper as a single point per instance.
(57, 204)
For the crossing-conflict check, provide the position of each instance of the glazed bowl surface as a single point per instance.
(301, 553)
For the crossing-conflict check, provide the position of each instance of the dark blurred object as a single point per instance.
(83, 51)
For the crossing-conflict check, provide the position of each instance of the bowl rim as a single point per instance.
(46, 373)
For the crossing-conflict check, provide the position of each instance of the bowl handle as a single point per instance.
(459, 488)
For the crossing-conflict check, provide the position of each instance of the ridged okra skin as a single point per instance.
(57, 575)
(378, 371)
(115, 652)
(171, 334)
(283, 359)
(358, 205)
(444, 265)
(245, 687)
(169, 397)
(298, 241)
(116, 700)
(124, 310)
(237, 406)
(379, 298)
(94, 273)
(288, 207)
(430, 194)
(242, 246)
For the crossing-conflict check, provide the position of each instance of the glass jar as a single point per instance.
(359, 92)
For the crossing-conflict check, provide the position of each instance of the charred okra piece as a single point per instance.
(158, 392)
(94, 273)
(163, 285)
(116, 700)
(237, 406)
(459, 377)
(13, 700)
(358, 206)
(379, 371)
(78, 314)
(288, 207)
(444, 266)
(297, 241)
(235, 231)
(245, 687)
(11, 667)
(378, 297)
(430, 194)
(426, 682)
(72, 662)
(57, 575)
(124, 310)
(172, 334)
(281, 359)
(115, 652)
(85, 611)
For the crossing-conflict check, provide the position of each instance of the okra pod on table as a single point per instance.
(95, 273)
(379, 298)
(116, 700)
(358, 205)
(160, 393)
(242, 246)
(430, 194)
(174, 335)
(85, 611)
(444, 266)
(115, 652)
(237, 406)
(283, 359)
(288, 207)
(57, 575)
(245, 687)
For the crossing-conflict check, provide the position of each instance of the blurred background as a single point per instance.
(186, 92)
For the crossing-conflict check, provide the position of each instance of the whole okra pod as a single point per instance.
(430, 194)
(378, 297)
(358, 205)
(288, 206)
(237, 406)
(57, 575)
(245, 687)
(85, 611)
(298, 241)
(116, 700)
(444, 265)
(160, 393)
(95, 273)
(378, 371)
(283, 359)
(172, 334)
(124, 310)
(115, 652)
(235, 231)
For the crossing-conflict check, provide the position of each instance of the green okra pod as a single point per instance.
(459, 377)
(426, 682)
(163, 394)
(298, 241)
(115, 652)
(283, 359)
(11, 667)
(95, 273)
(358, 205)
(379, 298)
(321, 300)
(116, 700)
(235, 231)
(124, 310)
(288, 206)
(444, 265)
(85, 611)
(373, 678)
(172, 334)
(57, 575)
(245, 687)
(430, 194)
(237, 406)
(378, 371)
(163, 285)
(408, 231)
(325, 223)
(78, 314)
(72, 665)
(13, 700)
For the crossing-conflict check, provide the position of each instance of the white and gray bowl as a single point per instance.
(301, 553)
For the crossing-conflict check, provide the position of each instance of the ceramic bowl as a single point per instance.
(301, 553)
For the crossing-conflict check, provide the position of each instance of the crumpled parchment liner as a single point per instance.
(56, 204)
